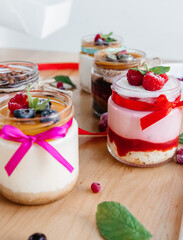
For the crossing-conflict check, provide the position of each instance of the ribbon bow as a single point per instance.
(160, 109)
(14, 134)
(164, 107)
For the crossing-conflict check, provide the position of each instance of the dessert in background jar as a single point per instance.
(39, 147)
(89, 45)
(17, 75)
(144, 117)
(109, 64)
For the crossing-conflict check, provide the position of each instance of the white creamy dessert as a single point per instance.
(39, 178)
(127, 142)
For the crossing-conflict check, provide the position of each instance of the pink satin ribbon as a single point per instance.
(14, 134)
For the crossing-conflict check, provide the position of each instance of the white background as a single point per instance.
(154, 26)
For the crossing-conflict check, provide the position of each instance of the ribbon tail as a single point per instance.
(83, 132)
(153, 117)
(55, 154)
(17, 156)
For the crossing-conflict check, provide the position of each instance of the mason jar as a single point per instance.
(39, 177)
(17, 75)
(88, 49)
(144, 126)
(109, 65)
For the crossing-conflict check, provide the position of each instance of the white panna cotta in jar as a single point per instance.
(127, 141)
(39, 178)
(89, 45)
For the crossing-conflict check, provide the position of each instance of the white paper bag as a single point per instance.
(39, 18)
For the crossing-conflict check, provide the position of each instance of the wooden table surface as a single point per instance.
(153, 195)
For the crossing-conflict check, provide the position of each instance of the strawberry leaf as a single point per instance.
(115, 222)
(181, 138)
(142, 71)
(159, 70)
(64, 79)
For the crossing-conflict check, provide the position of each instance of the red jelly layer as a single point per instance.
(125, 145)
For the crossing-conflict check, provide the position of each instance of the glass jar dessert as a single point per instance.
(144, 125)
(39, 147)
(89, 45)
(109, 65)
(17, 75)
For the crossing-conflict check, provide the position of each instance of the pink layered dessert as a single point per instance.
(127, 142)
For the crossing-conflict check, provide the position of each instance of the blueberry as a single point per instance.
(37, 236)
(24, 113)
(45, 107)
(47, 113)
(99, 42)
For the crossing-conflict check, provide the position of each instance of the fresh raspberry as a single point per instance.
(134, 77)
(60, 85)
(19, 101)
(165, 76)
(103, 122)
(179, 156)
(96, 187)
(97, 37)
(153, 82)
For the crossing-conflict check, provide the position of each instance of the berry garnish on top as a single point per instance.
(19, 101)
(152, 79)
(120, 56)
(103, 39)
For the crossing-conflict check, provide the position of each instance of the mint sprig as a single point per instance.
(156, 70)
(107, 37)
(159, 70)
(181, 138)
(115, 222)
(34, 103)
(64, 79)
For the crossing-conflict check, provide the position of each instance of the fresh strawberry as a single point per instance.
(153, 82)
(165, 76)
(97, 37)
(134, 77)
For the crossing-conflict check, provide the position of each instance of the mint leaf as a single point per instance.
(42, 106)
(106, 36)
(159, 69)
(29, 97)
(115, 222)
(181, 138)
(35, 102)
(64, 79)
(142, 71)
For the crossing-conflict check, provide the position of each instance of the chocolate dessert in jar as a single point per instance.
(17, 75)
(39, 147)
(89, 45)
(109, 65)
(144, 117)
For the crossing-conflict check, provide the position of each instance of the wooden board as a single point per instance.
(153, 195)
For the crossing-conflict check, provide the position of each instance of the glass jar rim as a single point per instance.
(129, 50)
(9, 96)
(133, 92)
(28, 73)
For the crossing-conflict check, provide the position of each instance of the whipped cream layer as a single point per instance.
(85, 67)
(126, 123)
(171, 89)
(38, 171)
